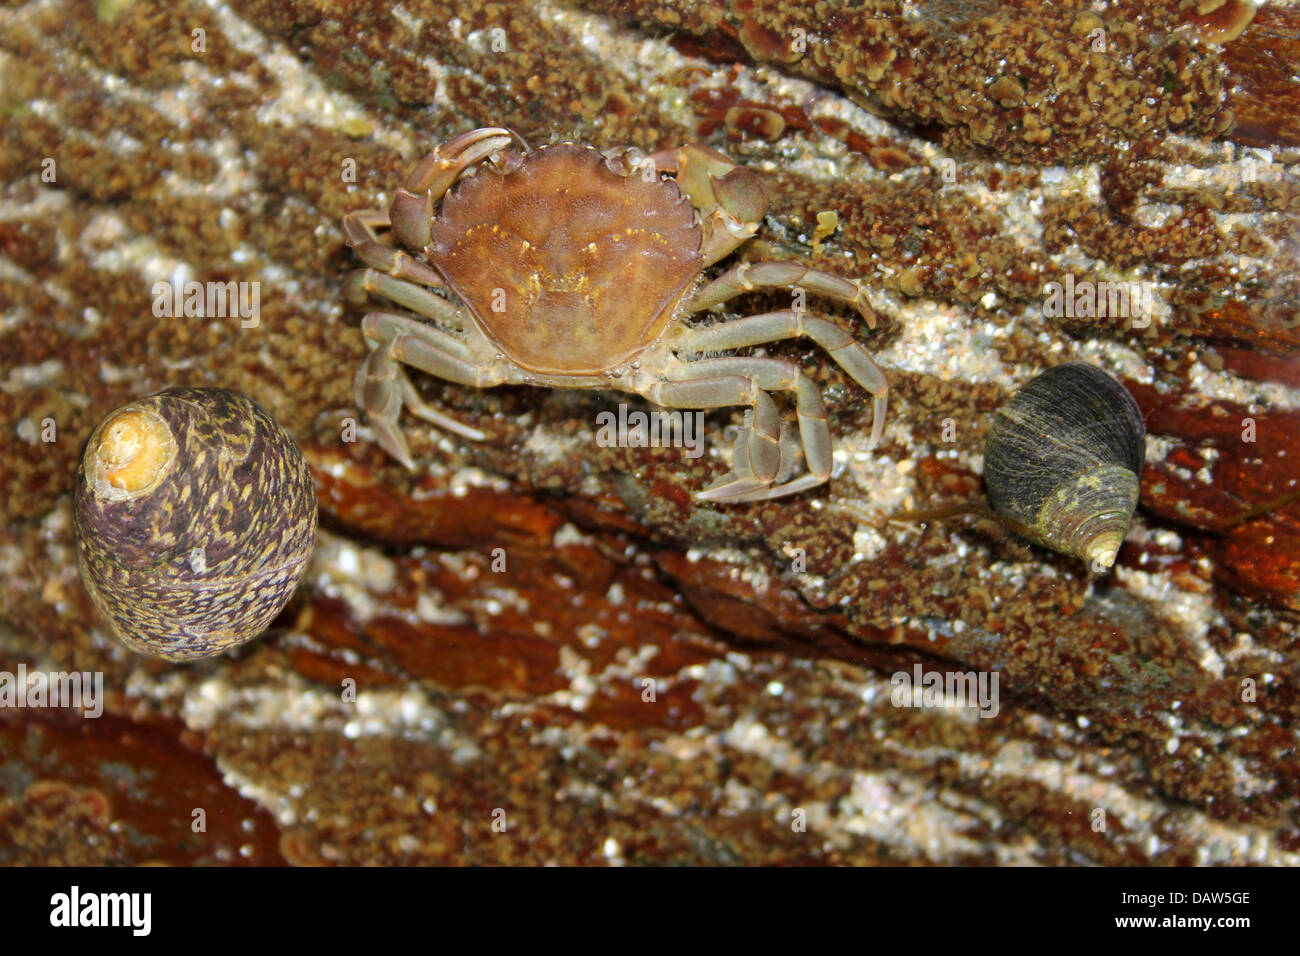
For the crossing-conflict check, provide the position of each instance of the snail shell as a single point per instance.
(1063, 460)
(195, 516)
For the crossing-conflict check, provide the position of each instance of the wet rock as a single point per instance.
(557, 631)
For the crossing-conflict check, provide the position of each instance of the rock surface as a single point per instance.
(557, 655)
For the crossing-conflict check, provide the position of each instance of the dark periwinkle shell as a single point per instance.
(195, 516)
(1063, 461)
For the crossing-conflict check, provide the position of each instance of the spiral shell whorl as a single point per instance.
(129, 454)
(1090, 515)
(195, 516)
(1063, 461)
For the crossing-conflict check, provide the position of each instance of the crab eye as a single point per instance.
(739, 229)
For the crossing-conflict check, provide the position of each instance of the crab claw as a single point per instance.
(412, 208)
(731, 199)
(741, 194)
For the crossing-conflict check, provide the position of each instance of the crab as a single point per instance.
(569, 267)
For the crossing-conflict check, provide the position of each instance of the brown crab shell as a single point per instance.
(568, 264)
(195, 516)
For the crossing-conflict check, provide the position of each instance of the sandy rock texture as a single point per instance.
(534, 649)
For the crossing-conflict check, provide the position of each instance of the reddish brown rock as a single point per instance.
(645, 679)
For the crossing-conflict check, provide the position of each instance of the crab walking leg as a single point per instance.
(412, 207)
(413, 297)
(756, 457)
(847, 352)
(814, 433)
(359, 231)
(382, 388)
(439, 353)
(383, 328)
(766, 275)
